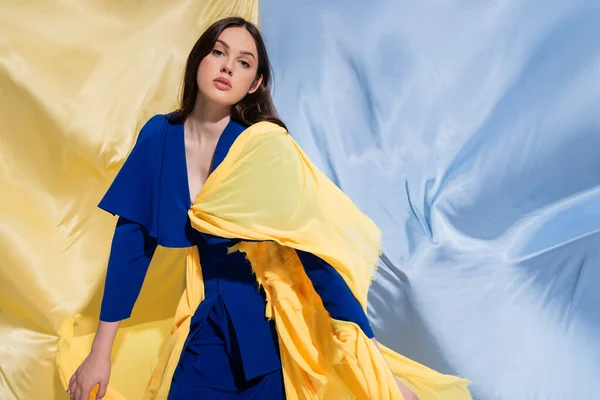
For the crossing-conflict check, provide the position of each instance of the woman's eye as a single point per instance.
(217, 52)
(245, 64)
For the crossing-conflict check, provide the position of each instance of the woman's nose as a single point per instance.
(226, 69)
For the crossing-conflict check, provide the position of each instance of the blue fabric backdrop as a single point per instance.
(470, 133)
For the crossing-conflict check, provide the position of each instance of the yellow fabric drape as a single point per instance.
(267, 190)
(77, 81)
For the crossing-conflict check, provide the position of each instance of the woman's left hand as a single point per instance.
(407, 394)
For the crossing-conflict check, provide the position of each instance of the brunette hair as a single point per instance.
(253, 108)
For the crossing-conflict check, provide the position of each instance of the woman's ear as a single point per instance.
(255, 84)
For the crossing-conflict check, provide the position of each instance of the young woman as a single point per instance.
(272, 293)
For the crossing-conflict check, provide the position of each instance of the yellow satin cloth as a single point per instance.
(78, 78)
(267, 190)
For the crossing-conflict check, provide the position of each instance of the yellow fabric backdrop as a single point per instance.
(78, 78)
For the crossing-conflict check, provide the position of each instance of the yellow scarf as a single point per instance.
(267, 191)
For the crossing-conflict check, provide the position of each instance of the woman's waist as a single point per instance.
(243, 319)
(232, 269)
(234, 290)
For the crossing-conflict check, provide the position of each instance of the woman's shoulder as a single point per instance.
(153, 127)
(268, 138)
(266, 128)
(156, 120)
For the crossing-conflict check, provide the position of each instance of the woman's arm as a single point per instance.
(131, 252)
(335, 294)
(340, 302)
(407, 394)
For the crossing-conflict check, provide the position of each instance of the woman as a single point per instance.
(221, 177)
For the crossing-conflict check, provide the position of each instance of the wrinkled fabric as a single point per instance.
(77, 81)
(268, 193)
(469, 132)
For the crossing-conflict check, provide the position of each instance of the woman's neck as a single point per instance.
(208, 120)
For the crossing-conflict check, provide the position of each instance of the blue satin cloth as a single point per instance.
(470, 133)
(151, 197)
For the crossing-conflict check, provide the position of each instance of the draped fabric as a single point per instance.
(269, 193)
(77, 81)
(470, 133)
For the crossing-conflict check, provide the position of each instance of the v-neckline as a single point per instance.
(185, 163)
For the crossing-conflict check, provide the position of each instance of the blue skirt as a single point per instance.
(210, 363)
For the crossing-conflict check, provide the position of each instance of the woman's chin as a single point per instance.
(220, 98)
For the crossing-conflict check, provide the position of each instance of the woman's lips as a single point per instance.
(222, 83)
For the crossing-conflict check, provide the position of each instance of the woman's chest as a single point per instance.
(199, 159)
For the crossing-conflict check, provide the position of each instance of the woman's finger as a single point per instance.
(79, 393)
(85, 392)
(73, 389)
(101, 390)
(71, 382)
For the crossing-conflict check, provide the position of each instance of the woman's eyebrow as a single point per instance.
(249, 53)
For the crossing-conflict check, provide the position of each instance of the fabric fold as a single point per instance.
(268, 193)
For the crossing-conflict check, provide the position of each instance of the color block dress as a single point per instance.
(232, 350)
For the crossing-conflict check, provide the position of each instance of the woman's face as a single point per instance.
(228, 73)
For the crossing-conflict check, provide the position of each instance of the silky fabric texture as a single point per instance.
(469, 133)
(321, 358)
(78, 79)
(269, 194)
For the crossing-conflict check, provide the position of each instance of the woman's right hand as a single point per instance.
(95, 369)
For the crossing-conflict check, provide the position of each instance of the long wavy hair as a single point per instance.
(253, 108)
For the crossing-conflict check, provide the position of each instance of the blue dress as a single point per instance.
(232, 350)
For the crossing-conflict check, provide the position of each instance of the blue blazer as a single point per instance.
(151, 197)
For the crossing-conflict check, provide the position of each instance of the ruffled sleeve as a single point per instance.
(151, 187)
(134, 192)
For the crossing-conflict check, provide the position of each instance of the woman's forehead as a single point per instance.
(238, 39)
